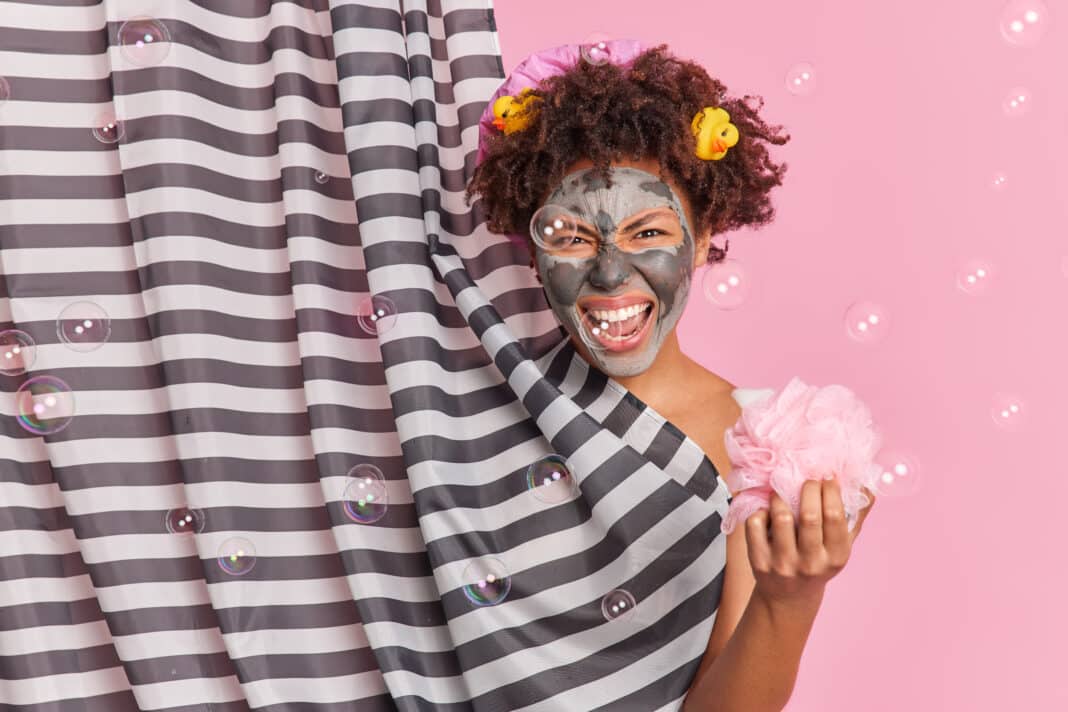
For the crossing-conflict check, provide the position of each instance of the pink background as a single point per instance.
(952, 599)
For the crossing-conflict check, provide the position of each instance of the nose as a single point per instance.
(609, 270)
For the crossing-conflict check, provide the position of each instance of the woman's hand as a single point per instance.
(797, 562)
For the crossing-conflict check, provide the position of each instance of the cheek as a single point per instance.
(563, 281)
(665, 273)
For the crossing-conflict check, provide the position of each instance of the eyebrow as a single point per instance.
(632, 224)
(647, 218)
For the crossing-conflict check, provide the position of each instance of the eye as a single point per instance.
(651, 229)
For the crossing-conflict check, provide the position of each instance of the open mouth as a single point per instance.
(618, 330)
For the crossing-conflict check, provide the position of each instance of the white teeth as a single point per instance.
(620, 314)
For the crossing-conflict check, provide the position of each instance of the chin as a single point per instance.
(627, 372)
(624, 366)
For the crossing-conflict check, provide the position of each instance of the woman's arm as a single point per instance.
(757, 669)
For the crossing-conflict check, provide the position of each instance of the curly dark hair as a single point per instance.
(604, 112)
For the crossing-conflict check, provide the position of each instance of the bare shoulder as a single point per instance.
(713, 397)
(705, 411)
(713, 382)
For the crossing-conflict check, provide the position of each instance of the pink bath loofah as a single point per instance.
(801, 433)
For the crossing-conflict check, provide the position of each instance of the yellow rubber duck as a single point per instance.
(514, 113)
(714, 133)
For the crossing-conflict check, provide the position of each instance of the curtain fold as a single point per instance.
(298, 404)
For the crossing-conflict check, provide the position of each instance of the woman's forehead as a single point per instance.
(633, 192)
(628, 186)
(661, 215)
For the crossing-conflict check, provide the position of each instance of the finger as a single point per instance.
(862, 514)
(810, 526)
(756, 539)
(783, 536)
(870, 495)
(835, 528)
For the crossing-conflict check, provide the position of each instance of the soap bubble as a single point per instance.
(973, 277)
(554, 229)
(83, 326)
(366, 497)
(237, 556)
(376, 315)
(1017, 102)
(144, 41)
(726, 284)
(899, 474)
(183, 520)
(593, 330)
(801, 79)
(596, 49)
(999, 180)
(321, 177)
(867, 322)
(17, 352)
(486, 581)
(1008, 411)
(108, 129)
(1023, 22)
(617, 605)
(45, 405)
(551, 480)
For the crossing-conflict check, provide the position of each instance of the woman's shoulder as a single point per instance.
(713, 388)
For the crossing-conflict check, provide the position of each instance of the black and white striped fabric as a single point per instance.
(282, 164)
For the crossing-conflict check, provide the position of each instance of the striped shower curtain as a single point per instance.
(282, 426)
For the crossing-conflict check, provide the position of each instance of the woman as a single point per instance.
(599, 160)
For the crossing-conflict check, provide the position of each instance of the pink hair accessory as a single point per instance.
(546, 63)
(801, 433)
(540, 65)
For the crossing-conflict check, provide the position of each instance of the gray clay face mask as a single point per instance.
(605, 255)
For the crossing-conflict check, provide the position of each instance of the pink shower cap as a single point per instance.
(538, 66)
